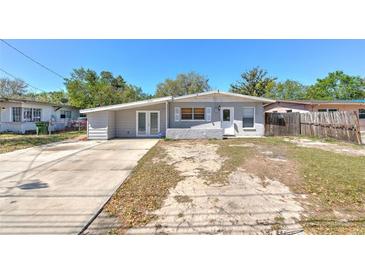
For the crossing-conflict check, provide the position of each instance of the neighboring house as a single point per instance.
(20, 115)
(282, 106)
(203, 115)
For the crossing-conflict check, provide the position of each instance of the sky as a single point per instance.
(145, 63)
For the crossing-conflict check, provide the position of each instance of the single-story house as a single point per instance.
(283, 106)
(210, 114)
(20, 115)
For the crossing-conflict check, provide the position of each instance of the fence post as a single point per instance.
(357, 129)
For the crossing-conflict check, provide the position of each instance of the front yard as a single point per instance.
(243, 186)
(10, 142)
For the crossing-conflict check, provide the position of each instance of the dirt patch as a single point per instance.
(244, 206)
(268, 162)
(193, 158)
(247, 203)
(332, 147)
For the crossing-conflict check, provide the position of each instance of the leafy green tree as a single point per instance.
(254, 82)
(288, 90)
(86, 89)
(337, 85)
(184, 84)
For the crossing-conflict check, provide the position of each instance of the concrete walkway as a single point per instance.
(58, 188)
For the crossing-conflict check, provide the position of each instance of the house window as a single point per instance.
(289, 110)
(37, 114)
(32, 114)
(327, 109)
(186, 113)
(199, 113)
(27, 115)
(248, 119)
(192, 113)
(17, 114)
(362, 113)
(65, 114)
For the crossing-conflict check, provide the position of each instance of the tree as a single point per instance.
(336, 86)
(54, 97)
(288, 90)
(254, 82)
(12, 88)
(87, 89)
(184, 84)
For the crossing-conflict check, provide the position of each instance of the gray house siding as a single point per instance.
(215, 122)
(125, 120)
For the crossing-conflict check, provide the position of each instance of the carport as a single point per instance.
(138, 119)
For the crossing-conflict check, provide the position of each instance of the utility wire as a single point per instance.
(16, 78)
(35, 61)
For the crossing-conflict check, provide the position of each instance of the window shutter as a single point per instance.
(208, 114)
(177, 114)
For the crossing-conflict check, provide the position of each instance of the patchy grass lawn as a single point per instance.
(11, 142)
(144, 191)
(167, 187)
(334, 184)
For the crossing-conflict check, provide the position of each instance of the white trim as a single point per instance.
(253, 98)
(254, 118)
(206, 114)
(128, 105)
(170, 98)
(177, 111)
(148, 126)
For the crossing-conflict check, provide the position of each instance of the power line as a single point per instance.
(17, 78)
(33, 60)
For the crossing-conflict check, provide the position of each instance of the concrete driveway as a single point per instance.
(58, 188)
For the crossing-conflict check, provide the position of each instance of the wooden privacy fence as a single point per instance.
(341, 125)
(282, 124)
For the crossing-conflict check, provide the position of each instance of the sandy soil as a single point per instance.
(247, 204)
(337, 148)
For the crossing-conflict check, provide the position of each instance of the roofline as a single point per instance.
(290, 102)
(127, 105)
(170, 98)
(315, 103)
(20, 100)
(254, 98)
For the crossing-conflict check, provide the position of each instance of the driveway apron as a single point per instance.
(58, 188)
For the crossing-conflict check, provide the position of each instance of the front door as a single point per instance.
(227, 114)
(148, 123)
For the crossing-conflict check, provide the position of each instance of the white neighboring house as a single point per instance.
(20, 115)
(211, 114)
